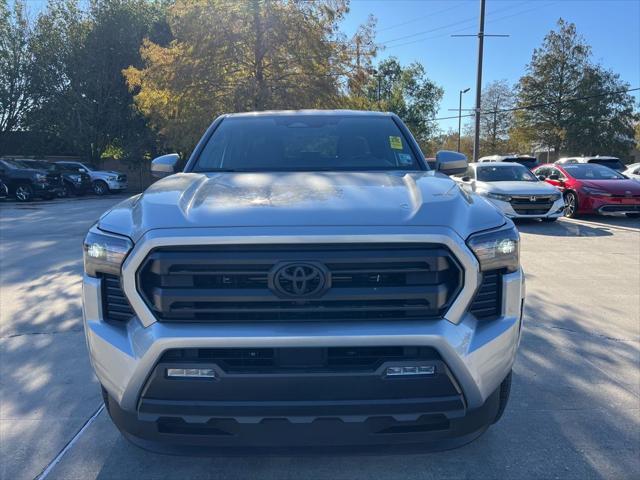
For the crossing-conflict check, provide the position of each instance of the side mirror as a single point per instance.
(542, 177)
(554, 176)
(451, 163)
(165, 165)
(82, 170)
(466, 179)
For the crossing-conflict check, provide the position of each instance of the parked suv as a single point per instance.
(306, 280)
(26, 182)
(102, 181)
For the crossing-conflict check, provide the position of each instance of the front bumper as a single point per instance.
(116, 185)
(556, 211)
(477, 355)
(608, 205)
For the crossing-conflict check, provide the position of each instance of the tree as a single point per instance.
(570, 104)
(494, 124)
(15, 66)
(552, 78)
(229, 56)
(407, 92)
(82, 94)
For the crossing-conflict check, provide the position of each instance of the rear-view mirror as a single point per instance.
(451, 163)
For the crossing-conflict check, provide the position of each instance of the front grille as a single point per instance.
(620, 208)
(487, 303)
(232, 283)
(274, 360)
(524, 205)
(115, 305)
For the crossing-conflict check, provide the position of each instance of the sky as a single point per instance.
(420, 30)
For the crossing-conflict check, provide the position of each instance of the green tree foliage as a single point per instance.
(229, 56)
(561, 71)
(79, 56)
(15, 65)
(408, 92)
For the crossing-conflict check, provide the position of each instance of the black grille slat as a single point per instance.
(487, 302)
(231, 283)
(116, 307)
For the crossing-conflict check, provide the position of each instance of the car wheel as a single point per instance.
(550, 219)
(571, 205)
(24, 192)
(505, 392)
(64, 192)
(100, 188)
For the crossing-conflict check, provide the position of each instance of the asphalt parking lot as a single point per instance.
(575, 403)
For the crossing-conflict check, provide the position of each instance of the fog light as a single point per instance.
(191, 373)
(410, 370)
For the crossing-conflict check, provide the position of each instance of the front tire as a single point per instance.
(571, 205)
(100, 188)
(505, 393)
(24, 192)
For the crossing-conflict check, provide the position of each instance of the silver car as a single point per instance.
(514, 190)
(633, 171)
(102, 181)
(305, 281)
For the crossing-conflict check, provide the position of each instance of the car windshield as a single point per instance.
(611, 163)
(592, 171)
(505, 173)
(307, 143)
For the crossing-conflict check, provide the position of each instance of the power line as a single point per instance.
(540, 105)
(431, 15)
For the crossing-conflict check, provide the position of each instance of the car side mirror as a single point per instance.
(165, 165)
(554, 176)
(542, 177)
(82, 170)
(466, 179)
(451, 163)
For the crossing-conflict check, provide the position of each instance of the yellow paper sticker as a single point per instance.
(395, 143)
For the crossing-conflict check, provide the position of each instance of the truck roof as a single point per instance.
(274, 113)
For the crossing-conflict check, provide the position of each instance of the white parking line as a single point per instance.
(68, 446)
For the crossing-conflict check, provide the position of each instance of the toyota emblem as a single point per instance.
(299, 279)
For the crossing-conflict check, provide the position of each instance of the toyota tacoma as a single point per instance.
(303, 280)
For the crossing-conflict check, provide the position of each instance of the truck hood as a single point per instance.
(518, 188)
(309, 199)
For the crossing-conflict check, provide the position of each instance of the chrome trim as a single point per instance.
(164, 238)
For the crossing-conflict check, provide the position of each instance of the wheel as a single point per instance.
(64, 192)
(571, 205)
(550, 219)
(100, 188)
(24, 192)
(505, 392)
(633, 215)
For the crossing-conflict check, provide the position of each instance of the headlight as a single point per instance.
(112, 179)
(40, 177)
(104, 252)
(499, 196)
(75, 178)
(555, 197)
(595, 191)
(497, 248)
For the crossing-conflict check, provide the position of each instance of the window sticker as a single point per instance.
(404, 159)
(395, 143)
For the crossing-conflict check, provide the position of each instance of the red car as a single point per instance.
(593, 188)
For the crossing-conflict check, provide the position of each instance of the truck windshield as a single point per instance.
(307, 143)
(510, 173)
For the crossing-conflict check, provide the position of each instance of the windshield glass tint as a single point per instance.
(307, 142)
(591, 171)
(511, 173)
(615, 164)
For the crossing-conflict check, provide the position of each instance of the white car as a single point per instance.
(633, 171)
(514, 190)
(612, 162)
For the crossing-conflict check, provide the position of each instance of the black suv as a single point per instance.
(26, 181)
(73, 180)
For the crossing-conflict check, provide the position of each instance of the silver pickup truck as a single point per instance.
(305, 280)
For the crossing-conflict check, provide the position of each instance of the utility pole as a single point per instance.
(460, 116)
(480, 35)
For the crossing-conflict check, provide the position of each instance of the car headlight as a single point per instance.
(104, 252)
(40, 178)
(112, 179)
(497, 249)
(595, 191)
(499, 196)
(75, 178)
(555, 197)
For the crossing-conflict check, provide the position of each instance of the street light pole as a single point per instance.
(476, 133)
(460, 116)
